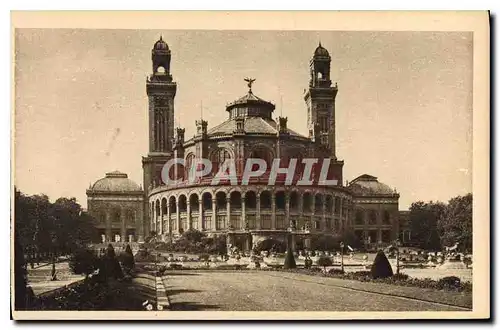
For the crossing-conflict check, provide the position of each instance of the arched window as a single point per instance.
(359, 217)
(182, 203)
(264, 154)
(280, 200)
(218, 158)
(294, 201)
(221, 200)
(194, 203)
(207, 201)
(102, 217)
(250, 200)
(387, 217)
(372, 217)
(318, 204)
(164, 206)
(189, 163)
(265, 200)
(235, 200)
(307, 202)
(172, 205)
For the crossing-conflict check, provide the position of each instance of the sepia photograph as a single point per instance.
(250, 165)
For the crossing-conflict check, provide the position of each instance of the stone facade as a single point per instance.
(257, 211)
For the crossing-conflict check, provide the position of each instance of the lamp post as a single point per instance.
(342, 256)
(397, 243)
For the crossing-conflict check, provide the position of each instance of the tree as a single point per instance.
(20, 276)
(381, 268)
(423, 221)
(455, 223)
(324, 262)
(289, 260)
(46, 228)
(83, 261)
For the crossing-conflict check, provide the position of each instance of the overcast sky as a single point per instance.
(404, 106)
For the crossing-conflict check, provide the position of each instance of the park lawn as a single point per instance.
(461, 299)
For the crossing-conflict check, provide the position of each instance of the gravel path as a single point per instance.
(261, 291)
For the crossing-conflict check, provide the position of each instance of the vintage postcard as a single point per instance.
(250, 165)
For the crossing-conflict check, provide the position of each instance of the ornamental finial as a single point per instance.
(250, 82)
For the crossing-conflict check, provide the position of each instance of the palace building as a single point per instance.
(250, 213)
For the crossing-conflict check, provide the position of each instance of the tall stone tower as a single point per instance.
(320, 100)
(161, 90)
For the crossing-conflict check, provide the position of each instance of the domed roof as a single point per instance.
(160, 45)
(115, 182)
(250, 98)
(367, 185)
(320, 51)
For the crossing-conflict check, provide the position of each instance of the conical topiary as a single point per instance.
(111, 264)
(381, 268)
(289, 260)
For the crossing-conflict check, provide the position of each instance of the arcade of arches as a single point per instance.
(250, 215)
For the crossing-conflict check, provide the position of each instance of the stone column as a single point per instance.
(323, 220)
(312, 218)
(301, 211)
(108, 227)
(123, 231)
(273, 210)
(140, 225)
(292, 242)
(160, 221)
(228, 210)
(244, 222)
(169, 230)
(341, 213)
(257, 216)
(200, 212)
(188, 214)
(214, 214)
(287, 210)
(178, 215)
(247, 243)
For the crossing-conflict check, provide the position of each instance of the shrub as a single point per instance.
(449, 282)
(381, 268)
(83, 262)
(334, 271)
(324, 262)
(400, 277)
(176, 266)
(270, 244)
(289, 260)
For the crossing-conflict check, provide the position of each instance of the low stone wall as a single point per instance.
(162, 300)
